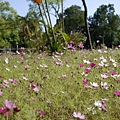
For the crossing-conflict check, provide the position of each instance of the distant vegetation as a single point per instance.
(35, 30)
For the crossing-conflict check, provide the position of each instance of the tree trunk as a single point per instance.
(86, 24)
(62, 15)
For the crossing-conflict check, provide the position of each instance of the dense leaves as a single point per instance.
(35, 29)
(8, 32)
(74, 19)
(104, 26)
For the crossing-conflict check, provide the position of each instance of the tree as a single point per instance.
(105, 26)
(86, 24)
(51, 36)
(8, 26)
(73, 19)
(30, 29)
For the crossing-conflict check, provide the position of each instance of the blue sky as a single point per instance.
(21, 6)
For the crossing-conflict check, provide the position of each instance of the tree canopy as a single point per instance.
(35, 29)
(105, 25)
(8, 32)
(73, 19)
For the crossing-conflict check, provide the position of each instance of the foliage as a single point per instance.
(78, 38)
(51, 38)
(8, 32)
(104, 25)
(73, 19)
(53, 88)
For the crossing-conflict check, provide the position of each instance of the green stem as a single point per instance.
(46, 31)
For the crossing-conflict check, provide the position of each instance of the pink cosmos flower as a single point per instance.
(100, 51)
(87, 70)
(117, 93)
(1, 76)
(22, 48)
(92, 64)
(34, 61)
(81, 46)
(104, 99)
(9, 105)
(13, 81)
(16, 109)
(59, 63)
(22, 62)
(105, 47)
(41, 112)
(71, 47)
(71, 42)
(102, 58)
(103, 106)
(113, 73)
(104, 76)
(27, 67)
(6, 84)
(99, 67)
(35, 88)
(79, 115)
(1, 93)
(81, 65)
(1, 85)
(4, 111)
(85, 82)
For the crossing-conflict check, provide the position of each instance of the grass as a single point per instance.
(54, 85)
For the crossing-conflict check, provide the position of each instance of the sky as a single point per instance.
(21, 6)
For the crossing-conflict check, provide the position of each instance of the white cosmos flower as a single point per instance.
(86, 61)
(115, 64)
(112, 60)
(104, 60)
(83, 74)
(41, 65)
(101, 58)
(94, 84)
(92, 109)
(7, 69)
(6, 60)
(105, 51)
(67, 65)
(106, 65)
(98, 103)
(101, 64)
(95, 59)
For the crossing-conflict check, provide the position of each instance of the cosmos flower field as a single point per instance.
(72, 85)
